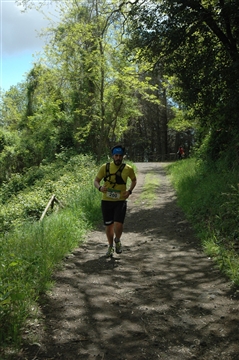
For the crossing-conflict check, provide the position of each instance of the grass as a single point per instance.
(209, 196)
(151, 183)
(30, 252)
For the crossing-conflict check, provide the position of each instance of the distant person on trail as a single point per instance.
(180, 152)
(114, 196)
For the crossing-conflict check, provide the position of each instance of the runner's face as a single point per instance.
(118, 159)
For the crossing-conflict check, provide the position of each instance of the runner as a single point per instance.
(114, 196)
(180, 153)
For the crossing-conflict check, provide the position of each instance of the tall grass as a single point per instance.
(209, 196)
(31, 252)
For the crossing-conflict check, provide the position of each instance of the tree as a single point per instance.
(103, 93)
(198, 44)
(99, 83)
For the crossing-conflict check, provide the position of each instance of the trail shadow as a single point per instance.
(162, 298)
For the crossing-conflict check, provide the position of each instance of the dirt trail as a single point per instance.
(161, 298)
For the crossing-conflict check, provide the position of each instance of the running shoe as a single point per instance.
(118, 247)
(110, 251)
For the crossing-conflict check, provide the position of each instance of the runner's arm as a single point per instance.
(98, 186)
(133, 184)
(128, 192)
(100, 175)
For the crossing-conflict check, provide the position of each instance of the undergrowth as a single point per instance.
(31, 250)
(209, 196)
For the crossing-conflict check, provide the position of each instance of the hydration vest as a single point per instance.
(118, 177)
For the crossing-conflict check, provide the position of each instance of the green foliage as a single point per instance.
(180, 121)
(209, 193)
(31, 251)
(83, 91)
(218, 144)
(26, 195)
(9, 145)
(86, 52)
(197, 44)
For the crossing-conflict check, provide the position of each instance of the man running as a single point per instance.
(114, 196)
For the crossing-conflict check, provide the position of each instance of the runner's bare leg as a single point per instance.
(118, 229)
(109, 230)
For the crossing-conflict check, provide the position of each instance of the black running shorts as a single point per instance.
(113, 211)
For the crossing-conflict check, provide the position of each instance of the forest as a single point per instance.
(152, 75)
(114, 72)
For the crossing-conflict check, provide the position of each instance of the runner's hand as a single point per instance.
(126, 194)
(103, 189)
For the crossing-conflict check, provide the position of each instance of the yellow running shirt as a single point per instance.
(115, 191)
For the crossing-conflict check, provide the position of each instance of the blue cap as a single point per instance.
(118, 151)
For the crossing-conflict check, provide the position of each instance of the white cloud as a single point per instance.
(19, 29)
(19, 39)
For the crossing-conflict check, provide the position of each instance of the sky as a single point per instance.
(19, 41)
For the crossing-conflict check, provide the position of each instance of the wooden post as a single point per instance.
(51, 203)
